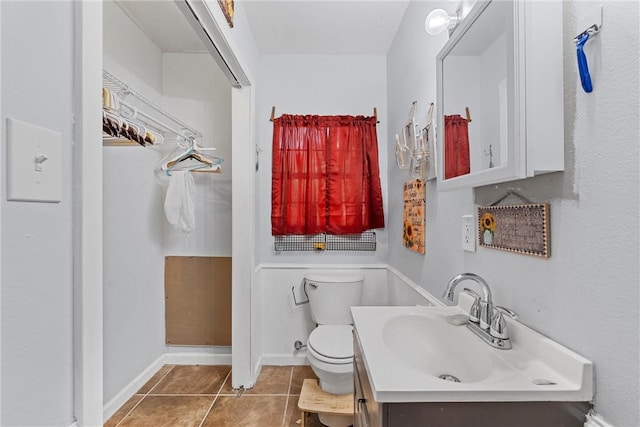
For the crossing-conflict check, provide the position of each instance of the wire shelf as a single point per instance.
(326, 242)
(153, 114)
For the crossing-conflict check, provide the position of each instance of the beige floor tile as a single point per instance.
(169, 411)
(247, 411)
(124, 410)
(154, 379)
(300, 373)
(192, 380)
(272, 380)
(262, 406)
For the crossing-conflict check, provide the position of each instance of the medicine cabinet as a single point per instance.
(500, 81)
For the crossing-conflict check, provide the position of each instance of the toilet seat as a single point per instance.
(332, 344)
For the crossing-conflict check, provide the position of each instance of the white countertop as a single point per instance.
(510, 372)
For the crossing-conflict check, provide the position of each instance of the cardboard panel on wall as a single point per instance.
(198, 300)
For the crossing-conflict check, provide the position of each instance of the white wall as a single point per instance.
(195, 90)
(315, 84)
(411, 70)
(281, 322)
(133, 265)
(37, 316)
(586, 295)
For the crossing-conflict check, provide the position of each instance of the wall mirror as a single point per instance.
(484, 120)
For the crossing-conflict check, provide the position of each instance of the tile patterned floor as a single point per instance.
(201, 396)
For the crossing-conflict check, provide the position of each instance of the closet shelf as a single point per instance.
(145, 111)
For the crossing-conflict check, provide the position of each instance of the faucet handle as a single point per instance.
(505, 310)
(499, 325)
(474, 312)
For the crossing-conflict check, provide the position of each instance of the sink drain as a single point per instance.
(448, 377)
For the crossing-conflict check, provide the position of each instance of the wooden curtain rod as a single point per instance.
(375, 114)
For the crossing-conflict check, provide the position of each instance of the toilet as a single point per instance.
(330, 344)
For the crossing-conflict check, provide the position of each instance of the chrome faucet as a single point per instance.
(492, 329)
(486, 305)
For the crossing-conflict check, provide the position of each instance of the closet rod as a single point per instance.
(116, 85)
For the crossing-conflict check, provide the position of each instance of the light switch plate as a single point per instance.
(34, 163)
(468, 233)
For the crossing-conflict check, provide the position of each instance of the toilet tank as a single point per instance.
(331, 296)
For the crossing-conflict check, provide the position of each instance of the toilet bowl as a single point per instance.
(330, 344)
(330, 353)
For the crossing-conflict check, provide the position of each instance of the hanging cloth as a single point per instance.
(178, 204)
(325, 175)
(456, 146)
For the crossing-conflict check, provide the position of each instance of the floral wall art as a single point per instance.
(521, 229)
(413, 236)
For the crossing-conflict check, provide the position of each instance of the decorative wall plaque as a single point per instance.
(414, 216)
(522, 229)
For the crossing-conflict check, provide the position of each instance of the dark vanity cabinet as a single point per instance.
(369, 413)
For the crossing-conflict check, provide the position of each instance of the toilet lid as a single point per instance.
(332, 341)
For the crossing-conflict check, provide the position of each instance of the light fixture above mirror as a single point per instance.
(439, 20)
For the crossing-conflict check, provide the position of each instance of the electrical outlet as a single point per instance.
(468, 233)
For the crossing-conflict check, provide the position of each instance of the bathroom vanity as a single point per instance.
(407, 358)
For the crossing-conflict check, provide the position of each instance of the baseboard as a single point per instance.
(127, 392)
(281, 359)
(595, 420)
(197, 359)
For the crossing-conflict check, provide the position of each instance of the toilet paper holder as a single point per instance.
(304, 289)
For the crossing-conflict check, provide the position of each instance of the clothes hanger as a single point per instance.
(193, 155)
(205, 165)
(192, 152)
(189, 148)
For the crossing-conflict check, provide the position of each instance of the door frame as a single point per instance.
(87, 212)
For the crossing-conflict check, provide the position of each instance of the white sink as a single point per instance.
(413, 354)
(428, 343)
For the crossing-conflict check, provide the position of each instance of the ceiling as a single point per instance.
(325, 27)
(313, 27)
(164, 24)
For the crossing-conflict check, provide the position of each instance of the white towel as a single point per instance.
(178, 205)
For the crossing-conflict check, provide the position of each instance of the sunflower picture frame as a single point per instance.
(414, 224)
(522, 229)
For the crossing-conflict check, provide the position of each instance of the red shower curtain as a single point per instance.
(325, 175)
(456, 146)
